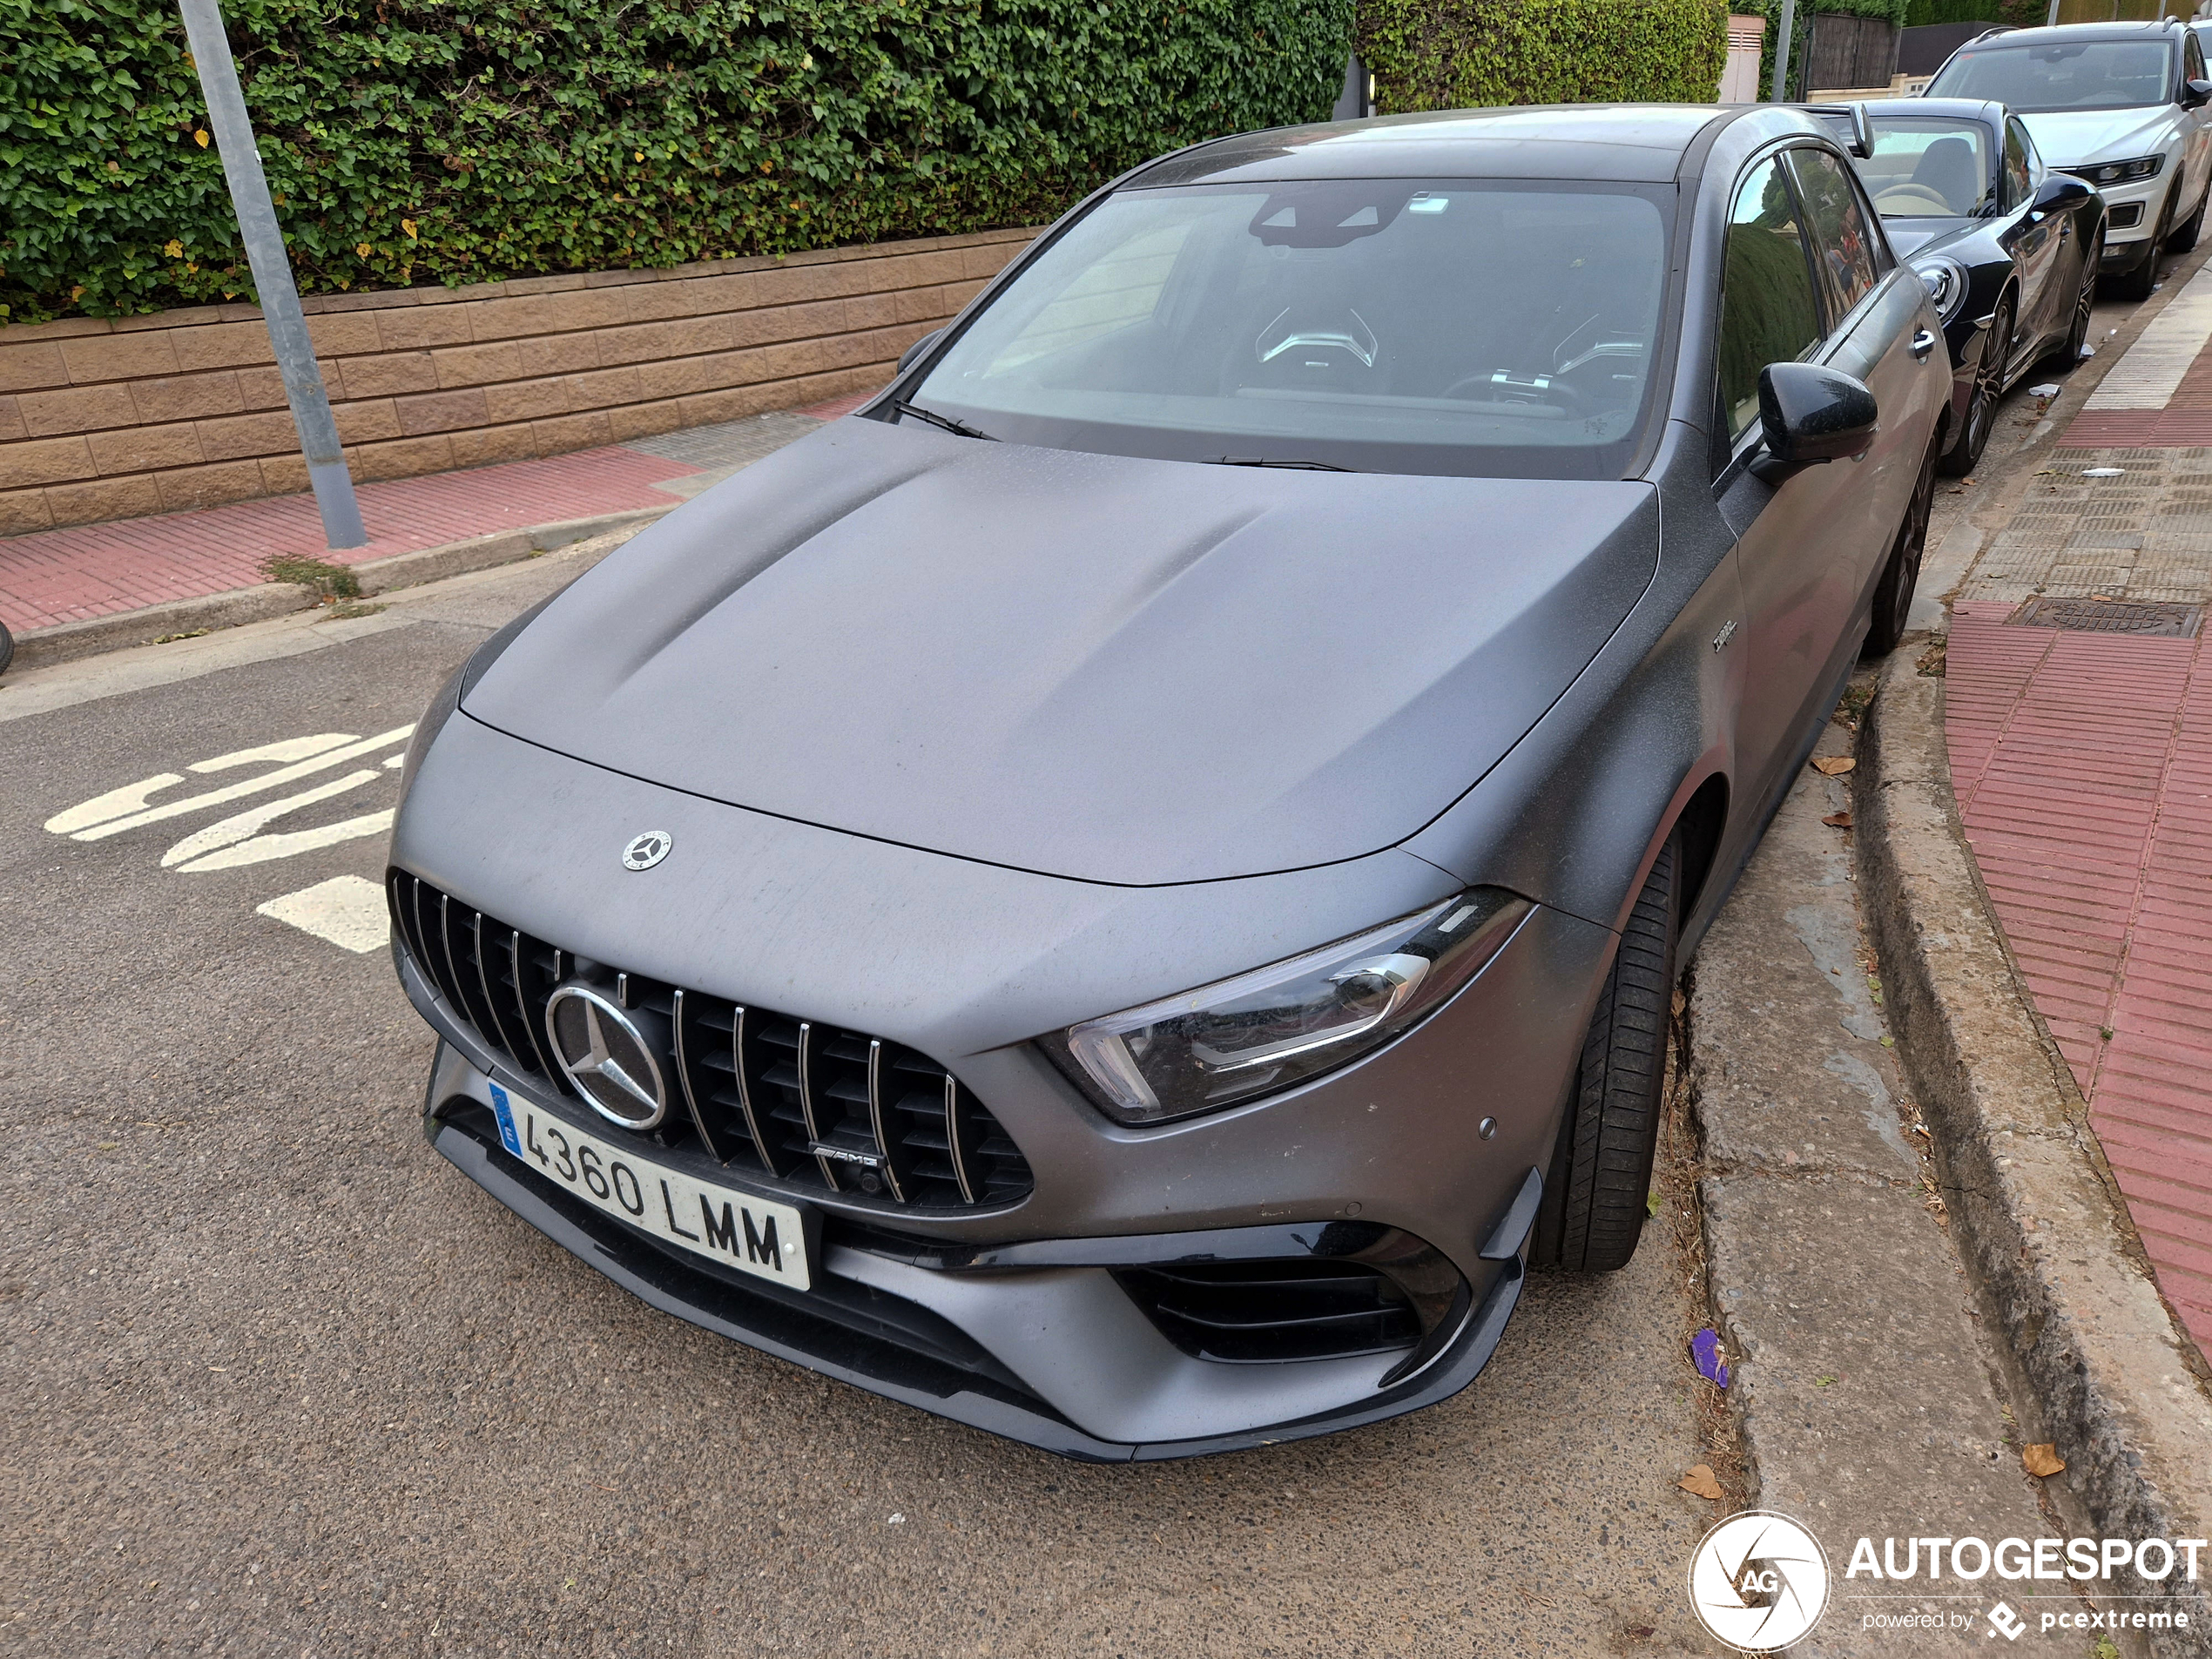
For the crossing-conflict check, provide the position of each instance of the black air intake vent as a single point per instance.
(1260, 1311)
(813, 1107)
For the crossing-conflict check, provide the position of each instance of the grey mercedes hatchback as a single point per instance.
(1125, 892)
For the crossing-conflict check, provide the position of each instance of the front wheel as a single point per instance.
(1988, 391)
(7, 648)
(1893, 592)
(2185, 239)
(1601, 1174)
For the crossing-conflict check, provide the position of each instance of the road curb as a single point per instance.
(205, 613)
(2095, 1350)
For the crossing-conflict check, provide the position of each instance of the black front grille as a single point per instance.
(810, 1106)
(1251, 1313)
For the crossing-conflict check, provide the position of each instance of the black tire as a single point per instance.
(1981, 418)
(1893, 592)
(1601, 1174)
(7, 648)
(2067, 358)
(2184, 239)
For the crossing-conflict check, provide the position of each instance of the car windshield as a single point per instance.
(1928, 166)
(1474, 327)
(2069, 75)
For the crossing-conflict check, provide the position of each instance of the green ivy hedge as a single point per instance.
(1464, 54)
(409, 141)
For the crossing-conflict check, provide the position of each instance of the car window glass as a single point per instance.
(2067, 75)
(1480, 327)
(1768, 313)
(2192, 60)
(1928, 166)
(2016, 180)
(1841, 237)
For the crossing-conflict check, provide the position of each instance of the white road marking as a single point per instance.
(133, 797)
(233, 792)
(346, 910)
(2150, 373)
(254, 820)
(262, 848)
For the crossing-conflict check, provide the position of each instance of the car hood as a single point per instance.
(1111, 669)
(2068, 139)
(1911, 236)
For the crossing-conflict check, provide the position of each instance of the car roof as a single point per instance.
(2078, 33)
(1628, 143)
(1987, 110)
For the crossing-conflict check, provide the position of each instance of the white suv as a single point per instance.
(2121, 104)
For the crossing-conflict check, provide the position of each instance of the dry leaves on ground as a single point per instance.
(1702, 1483)
(1833, 765)
(1837, 820)
(2042, 1459)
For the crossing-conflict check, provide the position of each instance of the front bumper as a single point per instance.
(959, 964)
(958, 1333)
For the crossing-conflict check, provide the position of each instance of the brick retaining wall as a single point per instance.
(112, 418)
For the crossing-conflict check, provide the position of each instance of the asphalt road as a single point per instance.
(274, 1379)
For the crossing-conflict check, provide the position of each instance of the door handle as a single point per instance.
(1923, 343)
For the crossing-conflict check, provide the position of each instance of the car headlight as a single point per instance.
(2119, 172)
(1283, 1024)
(1945, 281)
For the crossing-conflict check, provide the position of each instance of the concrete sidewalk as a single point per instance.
(55, 577)
(2080, 740)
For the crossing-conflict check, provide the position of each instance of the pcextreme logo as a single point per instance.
(1759, 1580)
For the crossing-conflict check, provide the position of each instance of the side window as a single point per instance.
(1768, 312)
(2017, 183)
(2192, 58)
(1843, 241)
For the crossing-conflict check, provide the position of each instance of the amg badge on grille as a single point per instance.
(647, 850)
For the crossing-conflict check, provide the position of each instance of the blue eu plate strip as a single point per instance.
(508, 1138)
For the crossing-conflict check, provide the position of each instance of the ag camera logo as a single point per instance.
(1759, 1580)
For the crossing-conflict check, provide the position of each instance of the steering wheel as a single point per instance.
(1558, 392)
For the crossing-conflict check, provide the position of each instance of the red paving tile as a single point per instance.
(2083, 768)
(100, 570)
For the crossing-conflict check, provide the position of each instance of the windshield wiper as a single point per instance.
(958, 427)
(1294, 466)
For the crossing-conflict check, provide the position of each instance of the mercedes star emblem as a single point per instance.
(647, 850)
(606, 1057)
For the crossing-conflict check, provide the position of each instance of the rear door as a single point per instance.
(1875, 310)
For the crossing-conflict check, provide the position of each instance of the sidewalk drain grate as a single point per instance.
(2111, 616)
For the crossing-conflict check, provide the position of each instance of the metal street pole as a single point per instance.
(1781, 92)
(257, 223)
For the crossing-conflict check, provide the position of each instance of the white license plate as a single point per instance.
(751, 1234)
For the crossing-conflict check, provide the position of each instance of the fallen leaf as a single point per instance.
(2042, 1459)
(1832, 766)
(200, 138)
(174, 248)
(1837, 820)
(1700, 1482)
(361, 248)
(407, 225)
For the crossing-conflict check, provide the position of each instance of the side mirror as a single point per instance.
(2058, 192)
(919, 347)
(2195, 94)
(1808, 414)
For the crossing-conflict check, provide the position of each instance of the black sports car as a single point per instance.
(2008, 247)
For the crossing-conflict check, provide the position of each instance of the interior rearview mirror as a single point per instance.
(907, 356)
(1808, 414)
